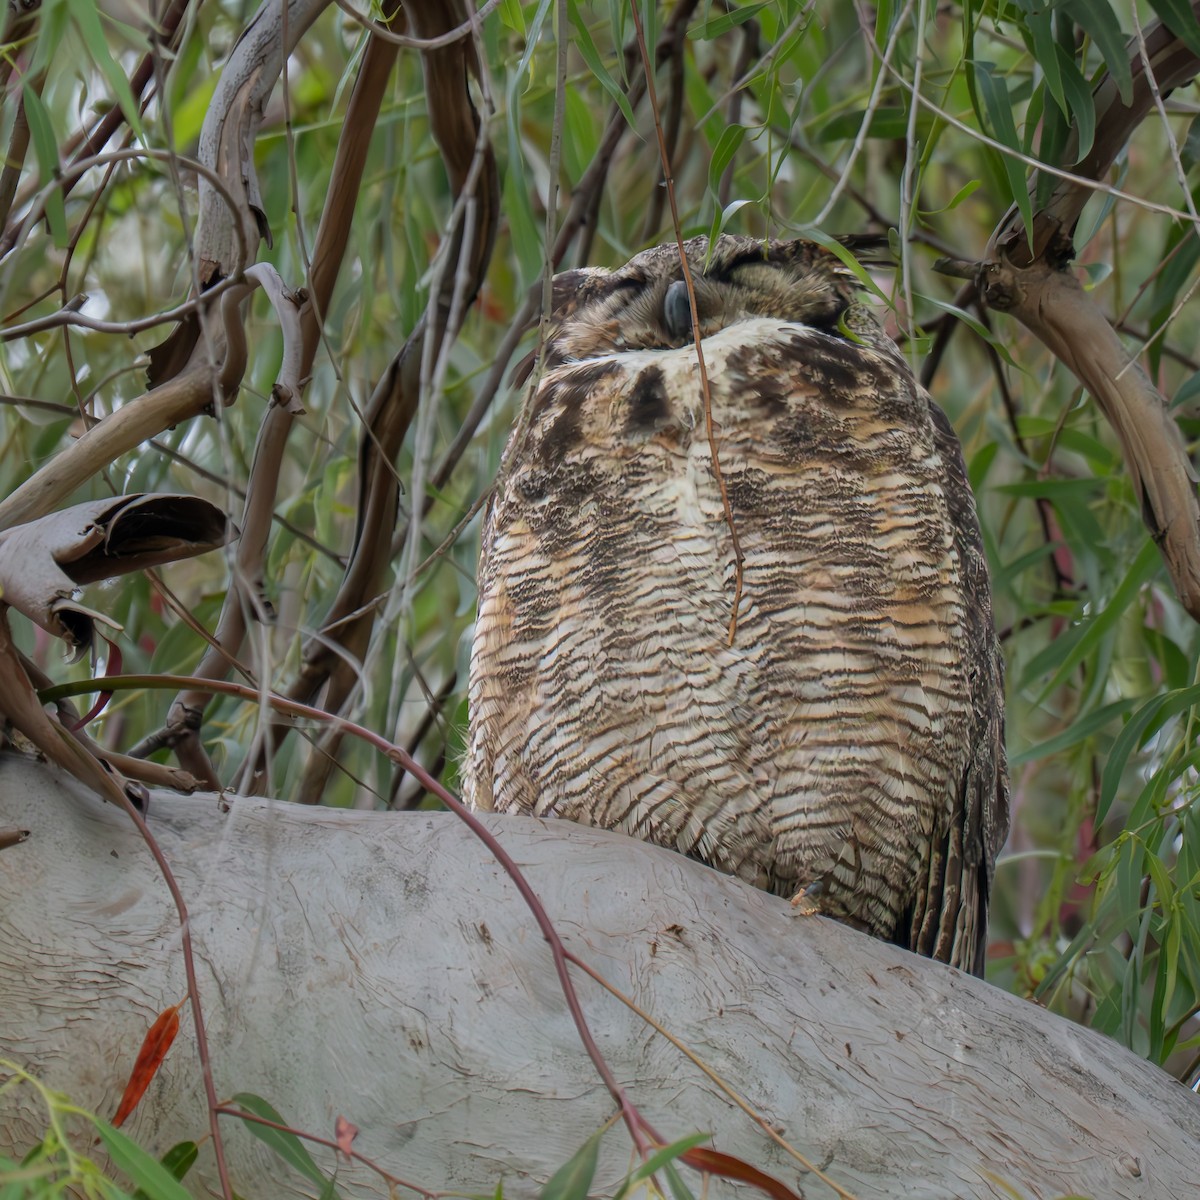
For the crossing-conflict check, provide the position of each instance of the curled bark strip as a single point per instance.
(44, 562)
(227, 137)
(287, 304)
(1051, 303)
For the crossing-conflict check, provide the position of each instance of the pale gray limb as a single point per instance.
(381, 967)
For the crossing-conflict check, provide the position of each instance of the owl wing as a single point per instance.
(951, 921)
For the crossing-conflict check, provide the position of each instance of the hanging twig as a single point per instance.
(669, 181)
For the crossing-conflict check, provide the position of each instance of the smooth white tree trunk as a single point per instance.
(383, 968)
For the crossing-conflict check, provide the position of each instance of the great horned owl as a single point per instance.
(847, 746)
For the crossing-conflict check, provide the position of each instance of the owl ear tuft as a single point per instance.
(571, 289)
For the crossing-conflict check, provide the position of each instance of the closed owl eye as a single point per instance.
(677, 311)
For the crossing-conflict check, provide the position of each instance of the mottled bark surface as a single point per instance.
(381, 967)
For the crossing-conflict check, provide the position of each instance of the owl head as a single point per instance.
(644, 305)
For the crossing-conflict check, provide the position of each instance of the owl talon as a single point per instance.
(805, 901)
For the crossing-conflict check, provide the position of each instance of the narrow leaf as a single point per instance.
(726, 148)
(590, 55)
(715, 27)
(1080, 104)
(179, 1160)
(143, 1169)
(158, 1040)
(1045, 49)
(1078, 731)
(285, 1143)
(884, 123)
(1158, 709)
(87, 20)
(1178, 17)
(45, 150)
(1100, 23)
(1144, 567)
(572, 1180)
(659, 1159)
(512, 16)
(721, 219)
(727, 1167)
(998, 105)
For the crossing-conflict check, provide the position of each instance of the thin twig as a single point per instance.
(228, 1110)
(710, 429)
(864, 128)
(726, 1088)
(397, 754)
(448, 38)
(82, 166)
(164, 36)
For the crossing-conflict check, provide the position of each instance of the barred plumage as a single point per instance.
(848, 746)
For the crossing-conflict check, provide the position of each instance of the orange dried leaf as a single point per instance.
(344, 1134)
(154, 1049)
(728, 1167)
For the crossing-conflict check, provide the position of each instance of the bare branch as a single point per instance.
(187, 713)
(178, 399)
(1052, 304)
(384, 34)
(470, 164)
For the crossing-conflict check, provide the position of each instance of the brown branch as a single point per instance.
(471, 167)
(1028, 276)
(1051, 303)
(186, 715)
(18, 146)
(672, 120)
